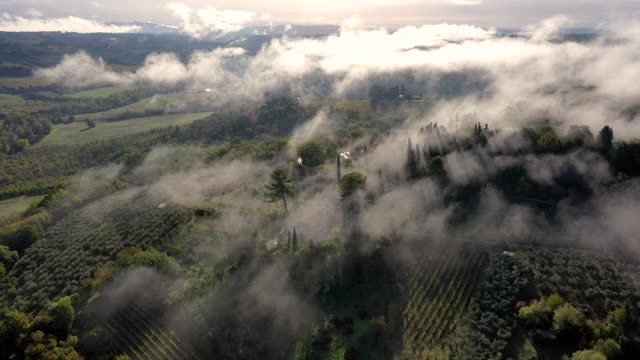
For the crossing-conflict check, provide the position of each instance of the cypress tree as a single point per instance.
(294, 246)
(339, 174)
(412, 163)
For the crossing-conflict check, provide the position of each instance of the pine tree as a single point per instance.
(279, 187)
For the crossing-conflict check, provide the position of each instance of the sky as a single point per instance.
(228, 15)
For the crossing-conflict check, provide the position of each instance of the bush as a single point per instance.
(150, 258)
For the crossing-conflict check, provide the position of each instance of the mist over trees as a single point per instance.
(336, 204)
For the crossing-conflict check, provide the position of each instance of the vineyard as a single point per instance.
(132, 332)
(87, 239)
(440, 287)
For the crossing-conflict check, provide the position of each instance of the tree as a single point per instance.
(8, 257)
(555, 301)
(537, 315)
(294, 242)
(338, 170)
(588, 355)
(528, 351)
(568, 320)
(351, 183)
(605, 140)
(15, 323)
(412, 162)
(62, 314)
(279, 187)
(609, 347)
(312, 153)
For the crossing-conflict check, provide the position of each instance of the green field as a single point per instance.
(17, 205)
(99, 92)
(171, 103)
(6, 99)
(363, 107)
(78, 133)
(22, 83)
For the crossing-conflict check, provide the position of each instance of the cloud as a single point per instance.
(465, 2)
(66, 24)
(80, 70)
(524, 78)
(547, 29)
(33, 12)
(202, 22)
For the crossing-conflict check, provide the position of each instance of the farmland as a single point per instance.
(17, 205)
(440, 288)
(156, 105)
(99, 92)
(74, 249)
(135, 332)
(6, 99)
(78, 132)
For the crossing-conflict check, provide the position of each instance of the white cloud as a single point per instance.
(202, 22)
(67, 24)
(34, 12)
(465, 2)
(510, 81)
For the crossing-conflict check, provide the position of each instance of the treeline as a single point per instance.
(46, 49)
(428, 159)
(380, 97)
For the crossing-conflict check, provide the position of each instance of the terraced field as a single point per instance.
(134, 333)
(439, 291)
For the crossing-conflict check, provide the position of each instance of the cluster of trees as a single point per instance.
(595, 286)
(422, 162)
(553, 321)
(45, 336)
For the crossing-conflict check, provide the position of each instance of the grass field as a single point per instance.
(99, 92)
(171, 103)
(22, 83)
(361, 106)
(6, 99)
(17, 205)
(78, 133)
